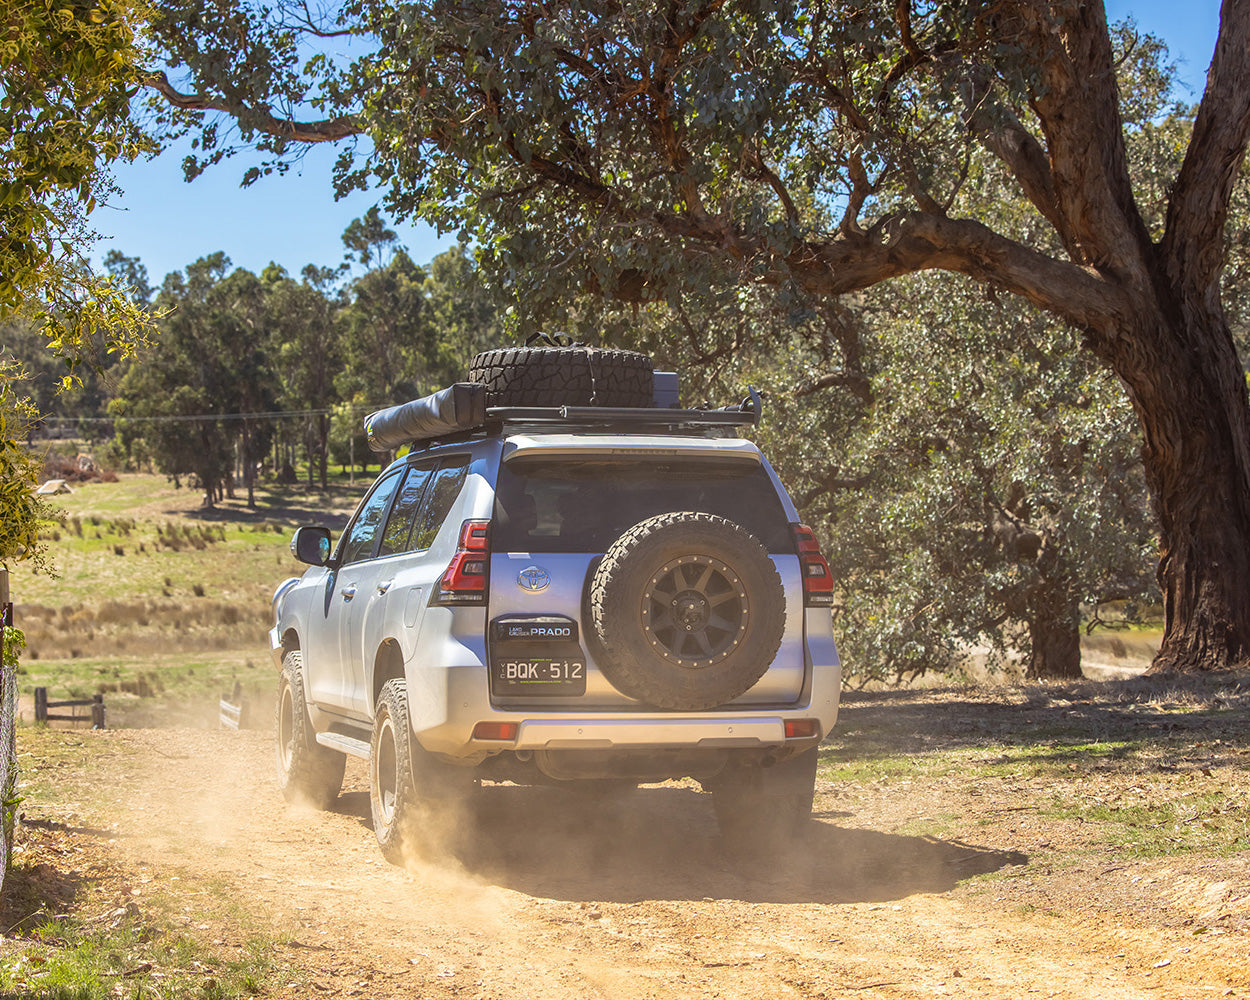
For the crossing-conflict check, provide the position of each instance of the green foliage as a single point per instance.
(209, 364)
(21, 511)
(70, 957)
(14, 643)
(234, 346)
(68, 68)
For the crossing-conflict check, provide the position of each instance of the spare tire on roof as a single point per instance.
(687, 610)
(564, 375)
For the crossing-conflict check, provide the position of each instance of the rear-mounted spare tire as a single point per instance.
(564, 376)
(689, 611)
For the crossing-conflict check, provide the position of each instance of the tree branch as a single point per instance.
(1193, 244)
(855, 381)
(1102, 225)
(262, 119)
(917, 241)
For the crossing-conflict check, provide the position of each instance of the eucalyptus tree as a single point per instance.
(641, 150)
(306, 348)
(200, 390)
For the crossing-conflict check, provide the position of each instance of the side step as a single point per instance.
(344, 744)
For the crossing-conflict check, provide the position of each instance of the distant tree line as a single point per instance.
(234, 348)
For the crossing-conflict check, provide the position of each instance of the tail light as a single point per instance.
(464, 581)
(802, 729)
(817, 580)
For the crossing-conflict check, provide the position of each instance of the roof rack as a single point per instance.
(461, 409)
(746, 412)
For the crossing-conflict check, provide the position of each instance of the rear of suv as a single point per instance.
(590, 596)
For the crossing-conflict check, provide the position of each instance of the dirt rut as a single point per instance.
(543, 893)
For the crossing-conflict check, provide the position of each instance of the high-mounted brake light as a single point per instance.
(817, 579)
(464, 581)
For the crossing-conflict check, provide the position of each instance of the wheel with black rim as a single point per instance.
(688, 611)
(307, 771)
(392, 793)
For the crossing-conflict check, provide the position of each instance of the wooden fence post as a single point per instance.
(41, 704)
(97, 711)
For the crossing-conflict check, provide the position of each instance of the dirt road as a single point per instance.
(553, 897)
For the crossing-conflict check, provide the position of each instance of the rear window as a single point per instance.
(575, 504)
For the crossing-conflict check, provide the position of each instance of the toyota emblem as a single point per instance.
(533, 579)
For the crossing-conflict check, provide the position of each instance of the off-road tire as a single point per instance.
(688, 611)
(392, 792)
(408, 786)
(760, 808)
(307, 771)
(564, 376)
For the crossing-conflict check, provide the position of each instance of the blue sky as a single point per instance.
(295, 220)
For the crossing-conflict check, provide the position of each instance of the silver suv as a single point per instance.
(588, 596)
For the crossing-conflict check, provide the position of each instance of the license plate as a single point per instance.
(539, 675)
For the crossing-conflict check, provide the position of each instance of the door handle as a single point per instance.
(348, 592)
(384, 586)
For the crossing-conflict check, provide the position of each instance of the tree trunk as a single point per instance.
(1055, 643)
(323, 448)
(1189, 390)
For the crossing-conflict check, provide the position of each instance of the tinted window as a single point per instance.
(404, 511)
(584, 505)
(444, 488)
(358, 542)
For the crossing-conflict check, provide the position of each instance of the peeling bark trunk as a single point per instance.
(1189, 390)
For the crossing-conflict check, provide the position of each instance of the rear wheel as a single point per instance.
(307, 771)
(412, 794)
(761, 807)
(392, 795)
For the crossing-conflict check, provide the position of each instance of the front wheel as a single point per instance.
(307, 771)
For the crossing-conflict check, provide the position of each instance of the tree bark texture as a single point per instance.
(1189, 391)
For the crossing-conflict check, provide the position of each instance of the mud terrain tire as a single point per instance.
(564, 376)
(392, 793)
(307, 771)
(688, 609)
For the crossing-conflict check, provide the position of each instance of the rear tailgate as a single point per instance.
(558, 509)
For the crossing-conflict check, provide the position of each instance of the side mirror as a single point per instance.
(311, 544)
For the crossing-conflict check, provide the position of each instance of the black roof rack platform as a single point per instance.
(461, 407)
(747, 412)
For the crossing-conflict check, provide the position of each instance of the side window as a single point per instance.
(358, 542)
(444, 488)
(407, 503)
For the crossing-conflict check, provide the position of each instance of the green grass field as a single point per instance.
(155, 602)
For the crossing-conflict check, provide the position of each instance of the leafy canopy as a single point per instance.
(67, 71)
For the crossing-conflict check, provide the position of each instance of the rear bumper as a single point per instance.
(464, 699)
(648, 733)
